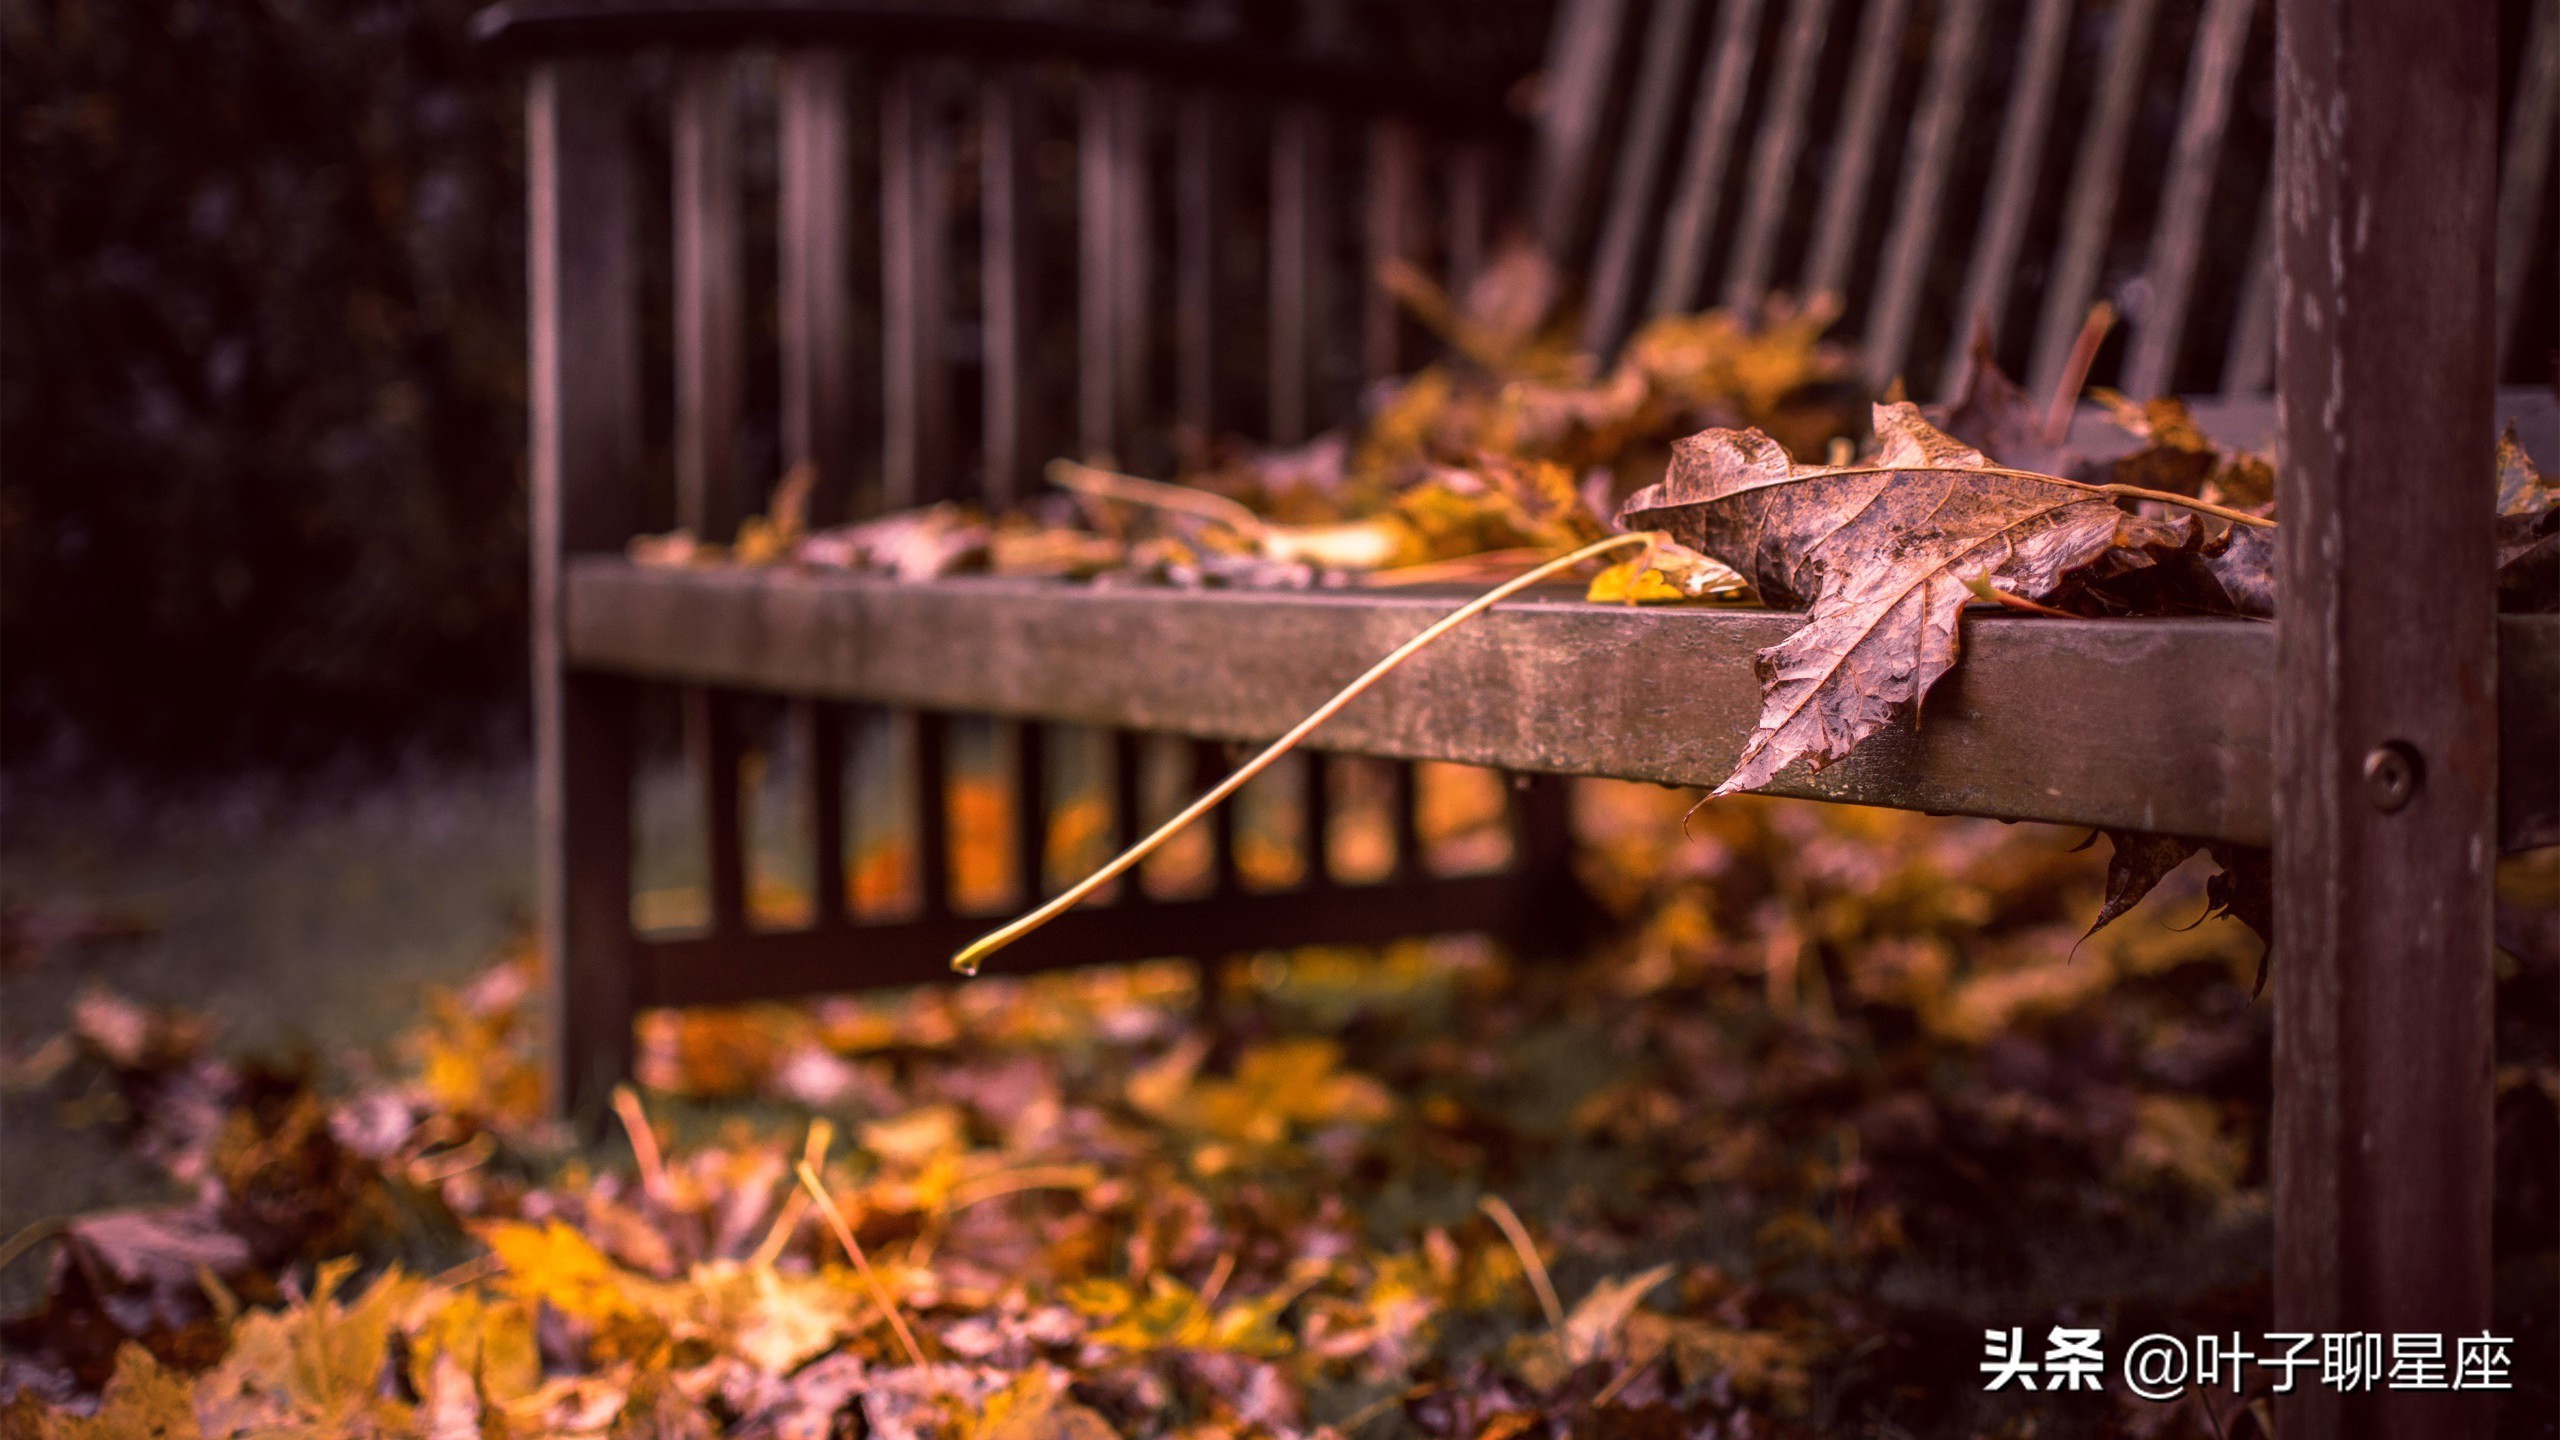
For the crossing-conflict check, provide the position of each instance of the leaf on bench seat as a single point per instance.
(1881, 556)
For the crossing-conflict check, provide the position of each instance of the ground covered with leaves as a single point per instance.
(1830, 1092)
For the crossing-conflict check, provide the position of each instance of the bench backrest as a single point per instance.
(2010, 161)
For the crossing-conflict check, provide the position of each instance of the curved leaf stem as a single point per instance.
(968, 960)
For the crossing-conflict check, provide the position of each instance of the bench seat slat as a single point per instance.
(2149, 724)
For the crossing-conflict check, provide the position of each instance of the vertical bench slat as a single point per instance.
(714, 746)
(710, 299)
(1773, 159)
(1132, 271)
(914, 223)
(1470, 196)
(2177, 241)
(1112, 259)
(1209, 765)
(1297, 162)
(1585, 47)
(1853, 153)
(1392, 232)
(822, 724)
(580, 286)
(1315, 819)
(2530, 127)
(2383, 1144)
(2089, 214)
(932, 773)
(2013, 183)
(2249, 361)
(815, 281)
(1128, 806)
(1679, 275)
(1638, 173)
(1404, 812)
(710, 331)
(1030, 812)
(1200, 207)
(1006, 282)
(1916, 208)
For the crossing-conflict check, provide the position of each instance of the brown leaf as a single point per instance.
(2140, 862)
(1993, 414)
(1880, 554)
(2528, 530)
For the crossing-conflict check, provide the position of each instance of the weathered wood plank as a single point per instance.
(710, 298)
(1200, 179)
(2386, 781)
(815, 278)
(1392, 229)
(1297, 266)
(1636, 178)
(584, 382)
(1853, 150)
(914, 222)
(1773, 159)
(2159, 724)
(2177, 242)
(2088, 215)
(1993, 270)
(1007, 280)
(2533, 126)
(1585, 49)
(1689, 225)
(710, 970)
(1913, 240)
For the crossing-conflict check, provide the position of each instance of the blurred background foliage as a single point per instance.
(261, 374)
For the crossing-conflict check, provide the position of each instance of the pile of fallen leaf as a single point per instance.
(1830, 1093)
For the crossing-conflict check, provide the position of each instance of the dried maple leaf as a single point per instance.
(2528, 530)
(1880, 555)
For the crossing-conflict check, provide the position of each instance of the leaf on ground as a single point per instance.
(1881, 556)
(1036, 1407)
(142, 1402)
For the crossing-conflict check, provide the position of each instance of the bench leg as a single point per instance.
(584, 771)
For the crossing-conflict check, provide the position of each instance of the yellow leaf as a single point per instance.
(1036, 1407)
(142, 1402)
(490, 1339)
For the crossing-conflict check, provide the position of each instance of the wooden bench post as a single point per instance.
(2386, 740)
(586, 415)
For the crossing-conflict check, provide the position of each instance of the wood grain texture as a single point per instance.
(2178, 240)
(2144, 724)
(1853, 149)
(1297, 268)
(710, 298)
(2088, 215)
(1773, 159)
(1008, 255)
(1583, 57)
(2533, 127)
(1636, 176)
(583, 377)
(2382, 1140)
(1391, 230)
(1912, 240)
(915, 162)
(815, 278)
(1993, 269)
(1200, 215)
(1689, 225)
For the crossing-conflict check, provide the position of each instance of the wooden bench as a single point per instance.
(2345, 273)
